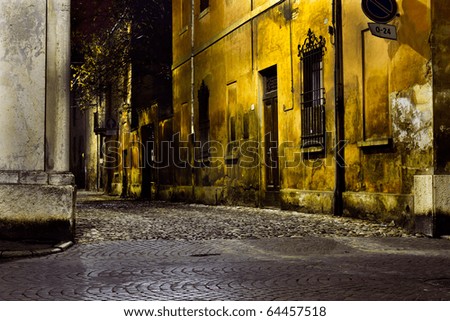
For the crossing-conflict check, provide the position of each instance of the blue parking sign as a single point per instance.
(381, 11)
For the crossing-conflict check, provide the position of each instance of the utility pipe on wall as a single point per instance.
(192, 64)
(339, 110)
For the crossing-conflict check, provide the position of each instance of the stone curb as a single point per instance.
(58, 248)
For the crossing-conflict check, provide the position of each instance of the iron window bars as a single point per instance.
(313, 91)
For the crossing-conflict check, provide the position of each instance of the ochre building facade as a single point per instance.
(295, 104)
(254, 86)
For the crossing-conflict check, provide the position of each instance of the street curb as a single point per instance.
(58, 248)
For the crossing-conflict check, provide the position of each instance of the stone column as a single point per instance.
(58, 85)
(37, 193)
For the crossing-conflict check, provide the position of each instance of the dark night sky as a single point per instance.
(90, 16)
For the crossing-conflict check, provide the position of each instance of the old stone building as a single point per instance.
(296, 104)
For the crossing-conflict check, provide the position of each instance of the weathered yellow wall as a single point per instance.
(181, 31)
(308, 175)
(235, 60)
(219, 17)
(440, 40)
(91, 155)
(393, 140)
(182, 121)
(389, 128)
(409, 103)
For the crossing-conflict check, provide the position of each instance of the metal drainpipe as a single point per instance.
(192, 94)
(339, 110)
(192, 64)
(258, 109)
(292, 58)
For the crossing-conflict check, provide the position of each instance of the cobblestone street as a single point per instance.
(129, 250)
(101, 218)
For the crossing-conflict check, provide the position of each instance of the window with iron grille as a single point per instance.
(204, 4)
(313, 91)
(203, 119)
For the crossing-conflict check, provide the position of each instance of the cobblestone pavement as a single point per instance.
(158, 251)
(102, 218)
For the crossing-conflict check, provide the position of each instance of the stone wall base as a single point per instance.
(381, 207)
(174, 193)
(316, 202)
(432, 204)
(307, 201)
(37, 205)
(210, 195)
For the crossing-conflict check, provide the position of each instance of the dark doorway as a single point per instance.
(270, 101)
(148, 154)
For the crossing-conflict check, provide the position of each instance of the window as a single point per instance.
(313, 91)
(271, 83)
(185, 15)
(185, 122)
(165, 153)
(203, 119)
(204, 4)
(375, 71)
(232, 112)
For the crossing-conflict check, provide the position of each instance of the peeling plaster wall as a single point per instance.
(412, 118)
(386, 164)
(440, 39)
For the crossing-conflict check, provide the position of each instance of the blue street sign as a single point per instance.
(381, 11)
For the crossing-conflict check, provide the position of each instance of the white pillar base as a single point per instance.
(37, 205)
(432, 204)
